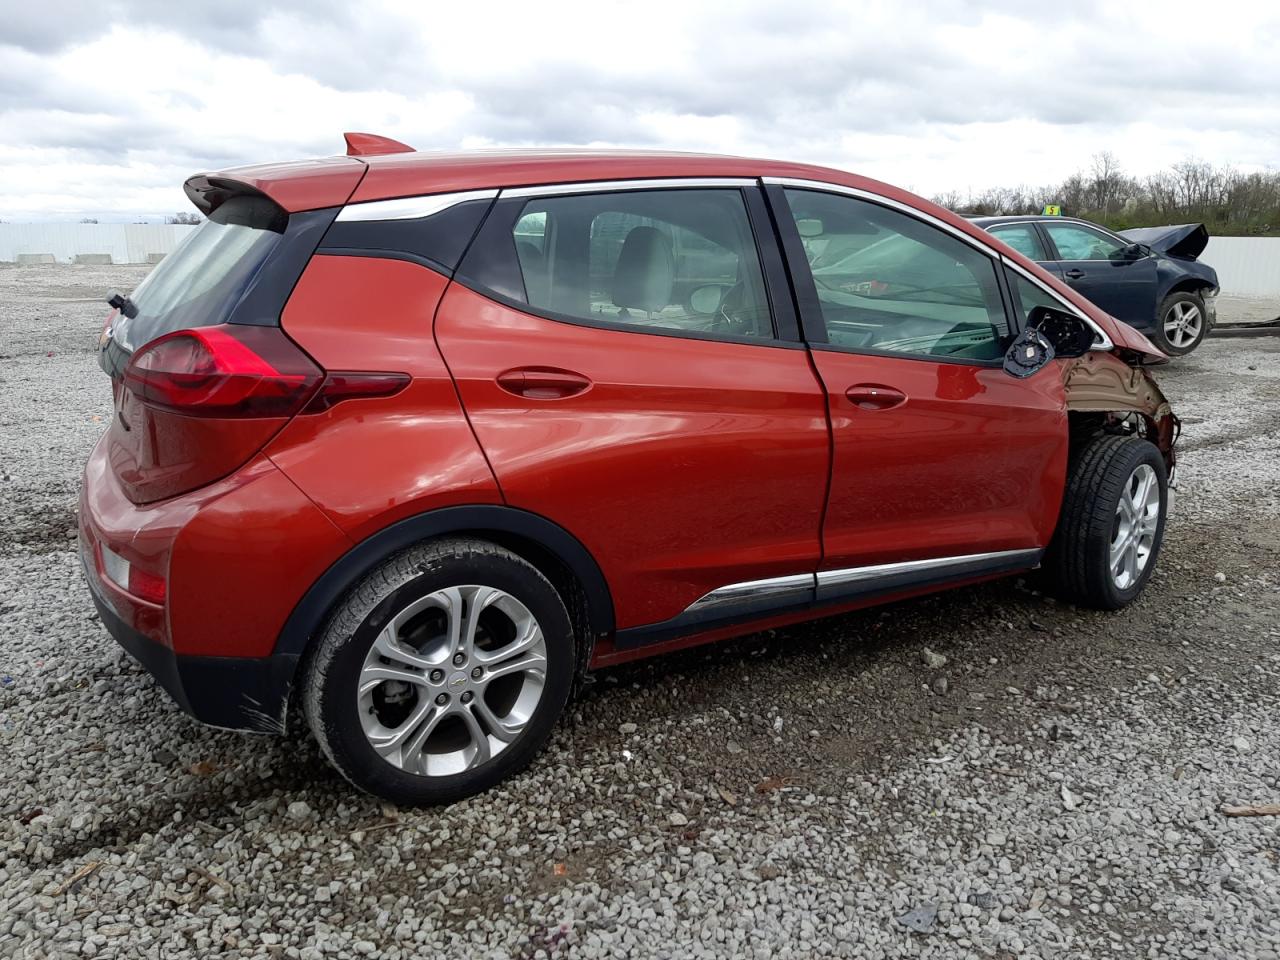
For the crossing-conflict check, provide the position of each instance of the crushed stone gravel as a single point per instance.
(983, 773)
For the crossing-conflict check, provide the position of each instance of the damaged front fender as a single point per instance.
(1102, 383)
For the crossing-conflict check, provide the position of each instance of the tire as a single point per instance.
(386, 658)
(1094, 520)
(1181, 323)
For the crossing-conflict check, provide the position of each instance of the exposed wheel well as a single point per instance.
(1086, 425)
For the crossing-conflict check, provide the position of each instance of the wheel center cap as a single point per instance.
(458, 681)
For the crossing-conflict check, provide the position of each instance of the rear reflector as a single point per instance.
(225, 371)
(139, 583)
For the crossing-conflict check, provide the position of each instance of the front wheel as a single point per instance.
(1181, 324)
(441, 674)
(1112, 523)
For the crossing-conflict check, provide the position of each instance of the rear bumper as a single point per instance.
(235, 557)
(236, 693)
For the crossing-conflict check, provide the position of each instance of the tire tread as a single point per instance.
(1096, 478)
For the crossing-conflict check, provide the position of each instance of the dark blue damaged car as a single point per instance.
(1149, 278)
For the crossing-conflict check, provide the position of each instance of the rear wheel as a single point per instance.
(1181, 324)
(1112, 523)
(442, 673)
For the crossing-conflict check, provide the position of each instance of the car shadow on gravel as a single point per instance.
(817, 703)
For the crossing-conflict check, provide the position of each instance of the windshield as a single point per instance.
(201, 281)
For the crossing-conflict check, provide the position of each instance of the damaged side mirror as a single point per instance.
(1050, 333)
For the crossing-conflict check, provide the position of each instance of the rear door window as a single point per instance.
(200, 282)
(1023, 238)
(658, 260)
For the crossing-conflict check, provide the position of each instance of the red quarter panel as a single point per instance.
(370, 462)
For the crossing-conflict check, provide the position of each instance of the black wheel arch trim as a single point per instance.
(309, 614)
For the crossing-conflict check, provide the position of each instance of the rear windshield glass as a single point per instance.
(201, 281)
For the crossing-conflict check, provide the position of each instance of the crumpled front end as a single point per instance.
(1105, 391)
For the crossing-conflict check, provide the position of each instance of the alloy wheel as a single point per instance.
(1182, 324)
(1134, 532)
(452, 680)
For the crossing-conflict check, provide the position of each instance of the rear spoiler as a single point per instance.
(300, 185)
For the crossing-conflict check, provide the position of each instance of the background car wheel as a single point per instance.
(441, 674)
(1182, 323)
(1112, 523)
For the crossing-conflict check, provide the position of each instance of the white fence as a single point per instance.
(92, 242)
(1247, 266)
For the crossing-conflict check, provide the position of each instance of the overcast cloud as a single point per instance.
(106, 107)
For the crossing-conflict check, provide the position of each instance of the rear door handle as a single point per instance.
(1074, 273)
(543, 383)
(875, 396)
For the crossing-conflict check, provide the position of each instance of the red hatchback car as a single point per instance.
(414, 441)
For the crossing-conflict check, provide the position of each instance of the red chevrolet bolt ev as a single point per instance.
(414, 441)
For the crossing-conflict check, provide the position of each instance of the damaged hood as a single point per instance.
(1184, 240)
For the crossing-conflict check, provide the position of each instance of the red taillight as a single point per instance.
(228, 371)
(339, 386)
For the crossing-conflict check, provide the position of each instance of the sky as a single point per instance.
(107, 106)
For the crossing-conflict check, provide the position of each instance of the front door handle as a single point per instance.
(543, 383)
(1075, 273)
(875, 396)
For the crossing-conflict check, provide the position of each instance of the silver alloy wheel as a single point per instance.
(452, 680)
(1182, 324)
(1137, 519)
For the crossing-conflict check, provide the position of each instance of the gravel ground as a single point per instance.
(983, 773)
(1248, 309)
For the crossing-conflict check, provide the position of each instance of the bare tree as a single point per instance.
(1227, 201)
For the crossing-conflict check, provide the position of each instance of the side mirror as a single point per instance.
(1070, 335)
(1134, 251)
(1050, 333)
(705, 300)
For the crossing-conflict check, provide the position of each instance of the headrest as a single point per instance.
(646, 271)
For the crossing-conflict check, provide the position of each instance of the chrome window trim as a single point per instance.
(1103, 343)
(753, 590)
(617, 186)
(822, 185)
(829, 578)
(409, 208)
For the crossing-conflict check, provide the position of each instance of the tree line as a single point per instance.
(1228, 201)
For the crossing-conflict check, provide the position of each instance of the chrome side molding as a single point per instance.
(827, 584)
(409, 208)
(774, 588)
(881, 571)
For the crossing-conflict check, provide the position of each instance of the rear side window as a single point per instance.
(1023, 238)
(670, 260)
(200, 282)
